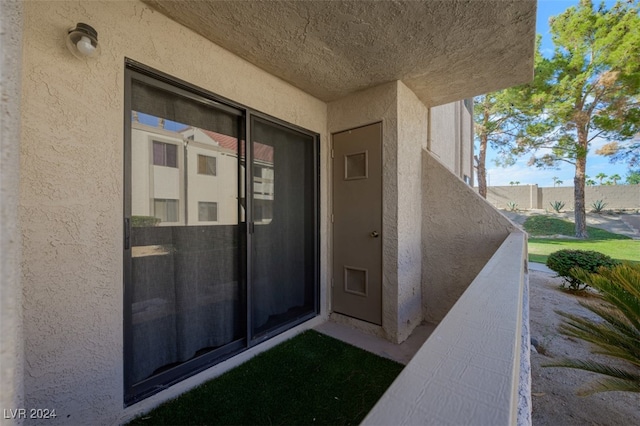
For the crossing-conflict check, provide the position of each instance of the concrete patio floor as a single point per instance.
(401, 353)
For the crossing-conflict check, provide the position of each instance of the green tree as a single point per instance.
(633, 178)
(587, 89)
(494, 127)
(615, 178)
(601, 176)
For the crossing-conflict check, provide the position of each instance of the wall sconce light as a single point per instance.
(82, 41)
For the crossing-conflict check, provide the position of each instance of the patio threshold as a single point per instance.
(401, 353)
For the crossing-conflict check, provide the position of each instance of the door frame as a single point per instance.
(133, 70)
(331, 260)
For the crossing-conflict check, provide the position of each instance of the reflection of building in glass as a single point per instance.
(190, 176)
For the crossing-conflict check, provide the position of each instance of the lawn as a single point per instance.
(310, 379)
(615, 245)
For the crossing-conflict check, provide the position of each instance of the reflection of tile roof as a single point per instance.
(260, 151)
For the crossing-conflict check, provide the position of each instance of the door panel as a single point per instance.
(357, 227)
(185, 294)
(220, 242)
(283, 246)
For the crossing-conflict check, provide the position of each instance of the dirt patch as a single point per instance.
(554, 389)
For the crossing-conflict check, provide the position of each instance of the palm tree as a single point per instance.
(555, 180)
(600, 176)
(618, 335)
(615, 178)
(590, 182)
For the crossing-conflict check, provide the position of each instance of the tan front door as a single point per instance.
(357, 223)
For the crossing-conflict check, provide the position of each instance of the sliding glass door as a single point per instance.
(283, 244)
(209, 271)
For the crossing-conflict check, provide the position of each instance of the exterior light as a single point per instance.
(82, 41)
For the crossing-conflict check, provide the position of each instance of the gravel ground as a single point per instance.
(554, 389)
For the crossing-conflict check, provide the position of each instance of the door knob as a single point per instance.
(375, 234)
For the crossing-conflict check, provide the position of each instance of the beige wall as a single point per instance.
(533, 197)
(11, 346)
(412, 139)
(525, 196)
(460, 233)
(362, 108)
(71, 190)
(451, 137)
(72, 186)
(443, 134)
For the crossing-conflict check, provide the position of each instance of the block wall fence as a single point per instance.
(533, 197)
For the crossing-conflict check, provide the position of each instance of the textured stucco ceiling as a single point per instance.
(444, 50)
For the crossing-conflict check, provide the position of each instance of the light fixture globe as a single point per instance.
(82, 41)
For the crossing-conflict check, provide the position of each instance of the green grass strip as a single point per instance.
(546, 225)
(617, 246)
(540, 248)
(310, 379)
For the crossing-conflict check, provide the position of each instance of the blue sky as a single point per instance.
(544, 177)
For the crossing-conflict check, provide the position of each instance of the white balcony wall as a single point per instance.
(166, 182)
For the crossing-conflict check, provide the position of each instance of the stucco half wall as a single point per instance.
(460, 233)
(71, 189)
(471, 370)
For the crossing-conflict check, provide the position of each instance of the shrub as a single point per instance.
(512, 205)
(616, 335)
(563, 261)
(557, 205)
(140, 221)
(598, 206)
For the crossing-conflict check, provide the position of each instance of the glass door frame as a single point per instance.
(135, 392)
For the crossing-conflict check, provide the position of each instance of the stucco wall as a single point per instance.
(469, 370)
(443, 135)
(11, 347)
(460, 233)
(533, 197)
(451, 137)
(616, 196)
(365, 107)
(72, 186)
(406, 123)
(412, 139)
(525, 196)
